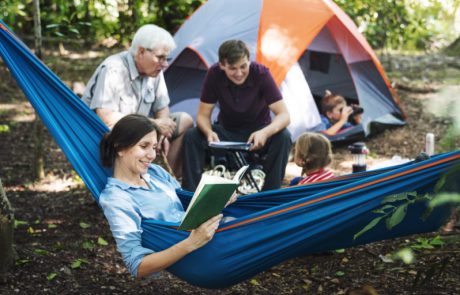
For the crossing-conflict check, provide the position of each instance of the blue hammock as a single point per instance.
(270, 226)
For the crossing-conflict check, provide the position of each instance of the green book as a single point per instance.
(210, 197)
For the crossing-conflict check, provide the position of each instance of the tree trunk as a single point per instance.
(39, 162)
(7, 254)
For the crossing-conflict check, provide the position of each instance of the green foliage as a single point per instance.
(77, 263)
(427, 243)
(84, 225)
(4, 128)
(88, 245)
(41, 252)
(402, 24)
(397, 24)
(394, 210)
(405, 254)
(102, 242)
(95, 20)
(451, 140)
(51, 276)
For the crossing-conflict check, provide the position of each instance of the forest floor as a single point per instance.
(64, 244)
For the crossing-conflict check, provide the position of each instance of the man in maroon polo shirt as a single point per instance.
(246, 94)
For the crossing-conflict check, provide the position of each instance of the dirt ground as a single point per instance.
(64, 244)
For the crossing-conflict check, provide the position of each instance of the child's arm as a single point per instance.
(346, 112)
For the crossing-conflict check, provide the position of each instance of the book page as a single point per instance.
(240, 173)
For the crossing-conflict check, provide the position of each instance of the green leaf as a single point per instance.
(52, 225)
(77, 263)
(339, 273)
(369, 226)
(102, 242)
(445, 198)
(41, 251)
(437, 241)
(51, 276)
(19, 223)
(396, 217)
(22, 261)
(406, 255)
(382, 209)
(75, 31)
(398, 197)
(88, 245)
(254, 282)
(441, 182)
(4, 128)
(52, 26)
(84, 225)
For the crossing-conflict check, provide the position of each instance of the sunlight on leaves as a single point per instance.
(4, 128)
(406, 255)
(254, 282)
(102, 242)
(84, 225)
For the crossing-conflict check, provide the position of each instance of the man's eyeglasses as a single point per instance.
(161, 58)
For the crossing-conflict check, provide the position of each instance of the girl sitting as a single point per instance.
(313, 153)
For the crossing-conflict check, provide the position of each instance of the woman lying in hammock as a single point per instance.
(139, 189)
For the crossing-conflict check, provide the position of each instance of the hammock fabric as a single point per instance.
(270, 226)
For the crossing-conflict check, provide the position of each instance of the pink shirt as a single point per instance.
(318, 175)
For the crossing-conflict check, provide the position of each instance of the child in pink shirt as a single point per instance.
(313, 153)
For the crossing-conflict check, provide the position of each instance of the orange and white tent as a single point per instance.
(309, 46)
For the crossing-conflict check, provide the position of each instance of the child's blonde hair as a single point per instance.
(314, 150)
(329, 101)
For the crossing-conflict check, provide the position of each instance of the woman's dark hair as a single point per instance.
(232, 51)
(125, 134)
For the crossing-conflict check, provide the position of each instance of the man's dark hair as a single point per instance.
(232, 51)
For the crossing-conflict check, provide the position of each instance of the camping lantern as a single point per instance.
(359, 152)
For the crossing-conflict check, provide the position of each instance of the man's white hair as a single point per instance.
(151, 37)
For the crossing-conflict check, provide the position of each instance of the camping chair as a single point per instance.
(236, 156)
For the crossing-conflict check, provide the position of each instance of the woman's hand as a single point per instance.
(203, 234)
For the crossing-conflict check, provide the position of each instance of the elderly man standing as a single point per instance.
(247, 94)
(133, 82)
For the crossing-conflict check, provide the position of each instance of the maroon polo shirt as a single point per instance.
(242, 106)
